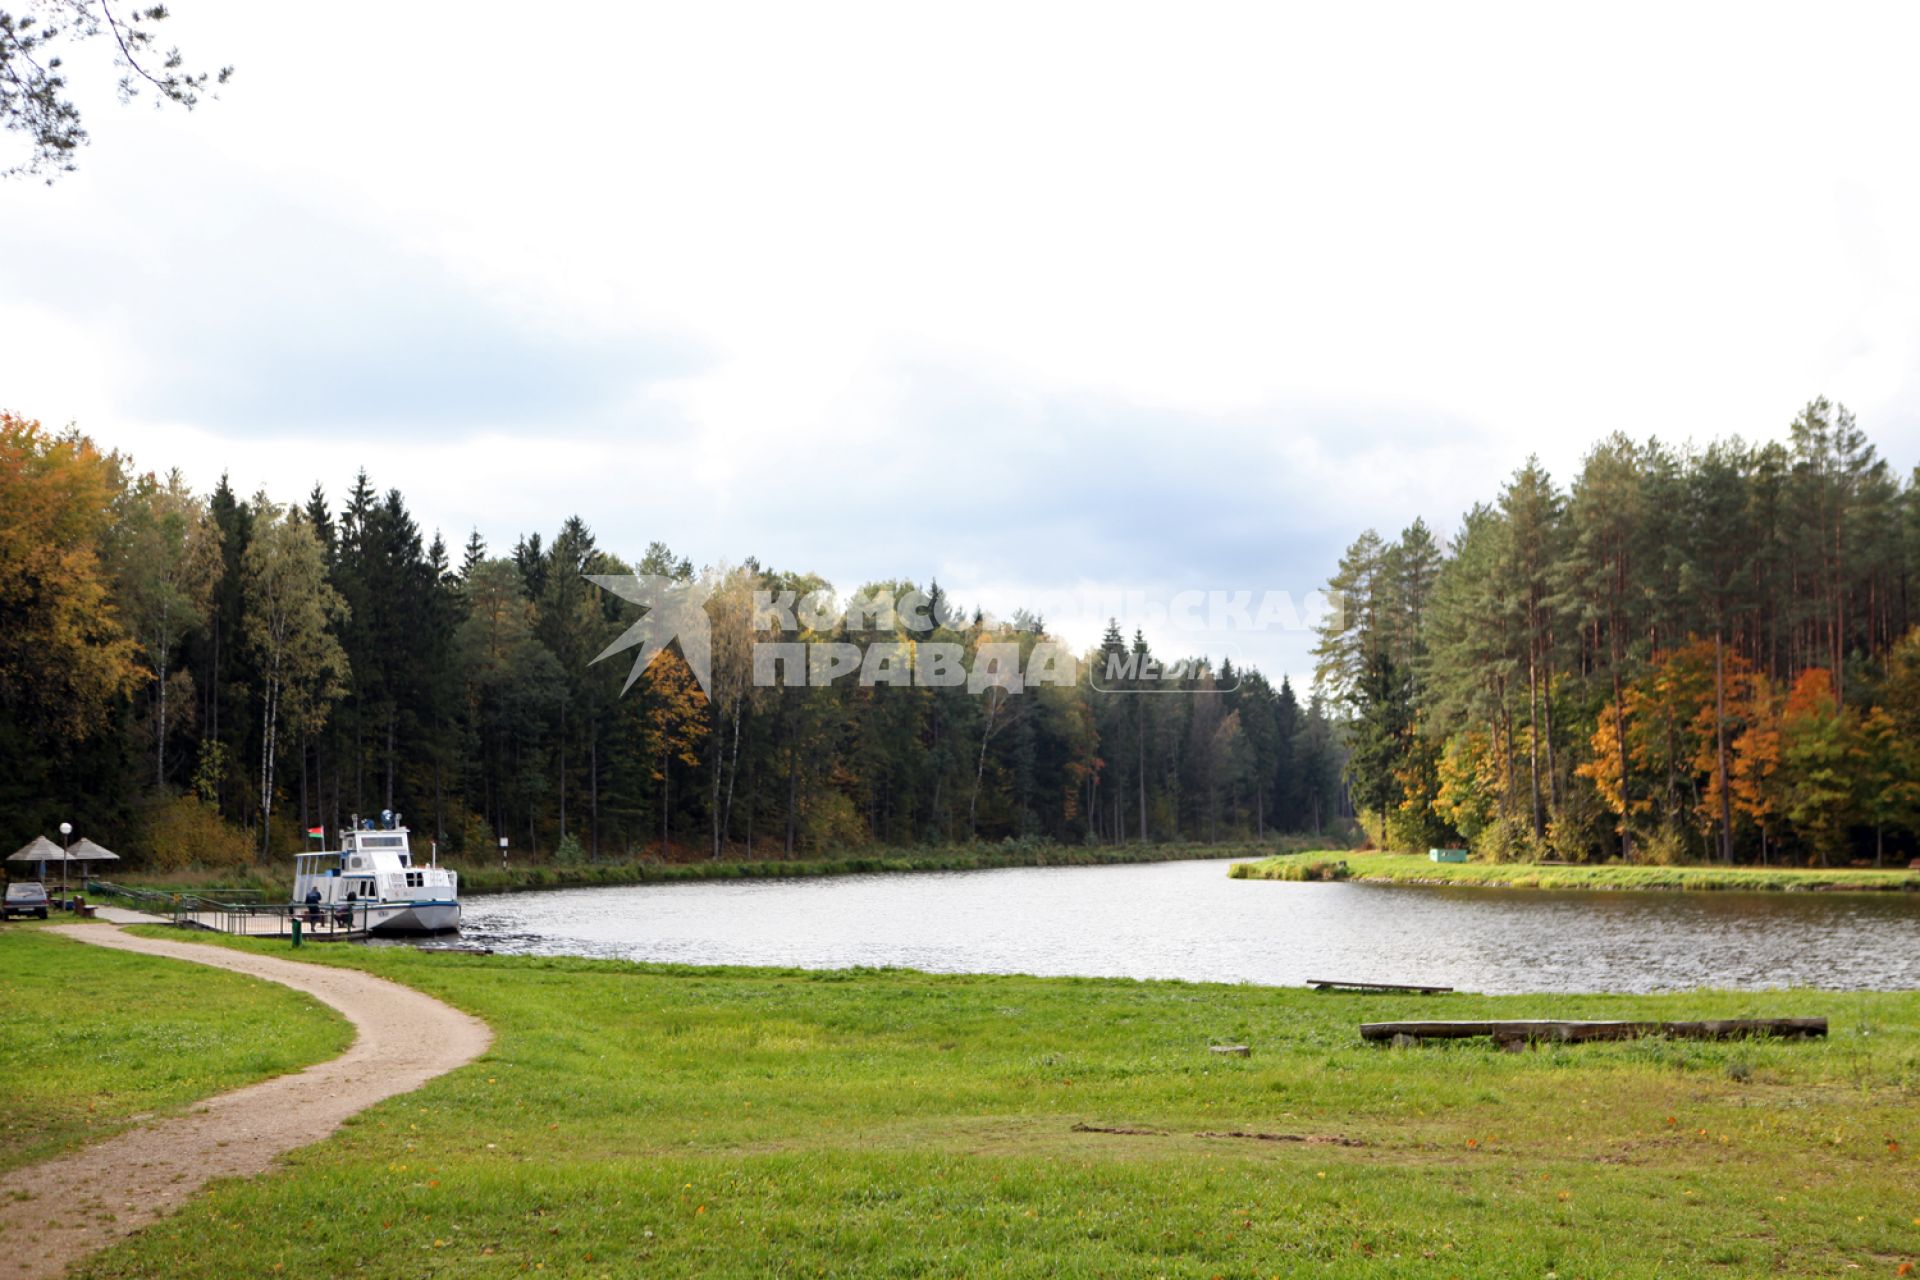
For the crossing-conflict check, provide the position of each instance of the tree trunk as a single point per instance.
(1720, 749)
(1620, 740)
(267, 744)
(980, 769)
(1506, 728)
(1553, 768)
(1533, 743)
(1140, 762)
(753, 800)
(213, 708)
(1618, 590)
(793, 796)
(718, 738)
(733, 775)
(160, 727)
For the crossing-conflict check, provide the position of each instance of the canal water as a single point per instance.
(1188, 920)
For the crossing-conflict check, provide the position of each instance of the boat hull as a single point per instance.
(420, 917)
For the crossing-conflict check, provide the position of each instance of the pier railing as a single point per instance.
(157, 901)
(244, 912)
(320, 921)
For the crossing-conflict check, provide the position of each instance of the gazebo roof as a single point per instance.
(39, 849)
(85, 850)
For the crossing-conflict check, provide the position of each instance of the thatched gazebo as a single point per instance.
(87, 853)
(40, 850)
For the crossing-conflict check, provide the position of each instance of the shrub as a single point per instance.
(1663, 846)
(830, 821)
(1295, 869)
(182, 831)
(1326, 869)
(1580, 827)
(1495, 843)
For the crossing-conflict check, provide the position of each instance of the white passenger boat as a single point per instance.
(373, 881)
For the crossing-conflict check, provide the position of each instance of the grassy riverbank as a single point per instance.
(664, 1121)
(90, 1038)
(488, 877)
(1413, 868)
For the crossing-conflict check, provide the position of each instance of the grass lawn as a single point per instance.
(90, 1038)
(644, 1120)
(1415, 867)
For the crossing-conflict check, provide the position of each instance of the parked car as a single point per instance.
(27, 898)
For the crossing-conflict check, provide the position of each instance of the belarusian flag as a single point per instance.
(316, 833)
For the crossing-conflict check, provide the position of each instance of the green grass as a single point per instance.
(1415, 868)
(696, 1122)
(1324, 866)
(90, 1038)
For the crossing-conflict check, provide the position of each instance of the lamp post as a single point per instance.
(66, 830)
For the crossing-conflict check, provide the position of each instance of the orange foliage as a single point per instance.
(676, 709)
(64, 657)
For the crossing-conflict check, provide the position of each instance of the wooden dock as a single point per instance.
(1526, 1031)
(267, 924)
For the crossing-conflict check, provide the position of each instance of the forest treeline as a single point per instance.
(202, 678)
(1685, 653)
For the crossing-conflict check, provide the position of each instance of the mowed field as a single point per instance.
(91, 1039)
(661, 1121)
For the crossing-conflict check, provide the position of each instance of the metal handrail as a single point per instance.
(133, 893)
(325, 919)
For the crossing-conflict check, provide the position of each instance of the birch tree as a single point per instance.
(169, 560)
(291, 613)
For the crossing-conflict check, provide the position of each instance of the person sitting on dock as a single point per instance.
(344, 915)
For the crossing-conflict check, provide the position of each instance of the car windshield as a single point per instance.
(28, 890)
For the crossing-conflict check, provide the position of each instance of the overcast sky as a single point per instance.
(1029, 298)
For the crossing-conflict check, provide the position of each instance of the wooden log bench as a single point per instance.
(1514, 1032)
(1414, 988)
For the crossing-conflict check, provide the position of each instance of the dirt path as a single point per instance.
(92, 1197)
